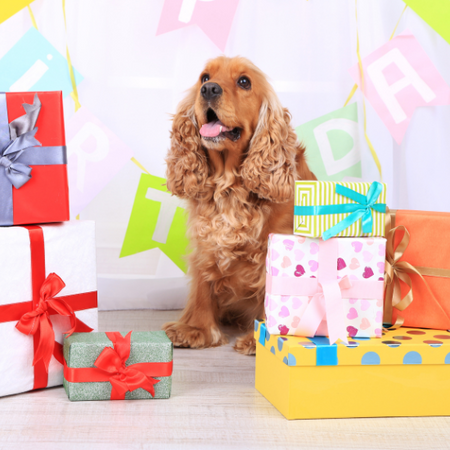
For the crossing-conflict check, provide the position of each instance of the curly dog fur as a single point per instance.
(239, 188)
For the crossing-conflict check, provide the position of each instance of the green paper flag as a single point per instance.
(332, 148)
(157, 220)
(435, 13)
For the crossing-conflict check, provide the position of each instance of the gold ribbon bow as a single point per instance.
(397, 271)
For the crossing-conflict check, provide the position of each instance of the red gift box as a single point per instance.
(44, 196)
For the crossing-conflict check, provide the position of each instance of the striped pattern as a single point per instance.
(314, 193)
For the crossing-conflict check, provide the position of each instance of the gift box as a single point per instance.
(326, 209)
(405, 373)
(33, 172)
(49, 288)
(327, 288)
(418, 269)
(118, 366)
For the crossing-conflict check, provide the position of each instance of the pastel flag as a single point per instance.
(214, 17)
(435, 13)
(95, 156)
(332, 144)
(33, 64)
(398, 78)
(8, 8)
(158, 219)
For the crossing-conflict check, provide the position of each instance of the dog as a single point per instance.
(234, 157)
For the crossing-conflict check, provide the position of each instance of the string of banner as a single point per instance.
(355, 87)
(74, 93)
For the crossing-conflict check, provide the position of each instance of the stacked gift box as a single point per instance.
(48, 304)
(350, 268)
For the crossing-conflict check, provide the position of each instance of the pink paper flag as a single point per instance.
(214, 17)
(95, 155)
(399, 77)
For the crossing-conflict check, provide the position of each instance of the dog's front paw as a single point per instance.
(246, 344)
(184, 335)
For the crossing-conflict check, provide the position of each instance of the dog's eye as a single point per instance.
(205, 78)
(244, 83)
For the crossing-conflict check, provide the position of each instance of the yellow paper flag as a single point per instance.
(435, 13)
(8, 8)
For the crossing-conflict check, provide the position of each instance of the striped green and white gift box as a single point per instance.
(319, 193)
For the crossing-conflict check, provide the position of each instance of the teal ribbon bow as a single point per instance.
(362, 209)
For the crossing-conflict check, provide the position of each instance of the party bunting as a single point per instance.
(157, 220)
(34, 64)
(332, 147)
(95, 156)
(213, 17)
(8, 8)
(435, 13)
(399, 77)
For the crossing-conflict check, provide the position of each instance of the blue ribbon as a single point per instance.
(362, 209)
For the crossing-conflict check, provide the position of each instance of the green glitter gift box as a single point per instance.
(117, 366)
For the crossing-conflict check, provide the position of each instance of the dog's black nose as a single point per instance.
(211, 91)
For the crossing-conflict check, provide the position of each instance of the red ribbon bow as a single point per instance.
(38, 321)
(122, 378)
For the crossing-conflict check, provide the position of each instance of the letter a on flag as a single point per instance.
(399, 77)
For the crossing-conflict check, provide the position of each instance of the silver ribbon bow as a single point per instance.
(22, 131)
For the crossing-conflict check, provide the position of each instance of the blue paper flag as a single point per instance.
(33, 64)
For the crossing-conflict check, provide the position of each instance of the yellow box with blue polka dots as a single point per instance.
(406, 372)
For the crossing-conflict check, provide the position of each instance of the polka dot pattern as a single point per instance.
(403, 346)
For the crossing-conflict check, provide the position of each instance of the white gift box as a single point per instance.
(70, 253)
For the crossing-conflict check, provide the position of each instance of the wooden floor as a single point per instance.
(214, 405)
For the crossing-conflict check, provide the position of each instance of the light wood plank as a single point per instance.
(214, 405)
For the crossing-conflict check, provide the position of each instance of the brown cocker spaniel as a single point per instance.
(234, 156)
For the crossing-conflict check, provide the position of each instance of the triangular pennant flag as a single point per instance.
(157, 220)
(332, 144)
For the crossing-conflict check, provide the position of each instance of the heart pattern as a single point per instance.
(367, 256)
(364, 324)
(284, 312)
(296, 256)
(288, 244)
(286, 262)
(299, 271)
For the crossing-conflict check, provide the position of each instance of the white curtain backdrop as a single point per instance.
(133, 81)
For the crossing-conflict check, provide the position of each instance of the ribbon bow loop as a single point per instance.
(22, 132)
(362, 209)
(122, 378)
(38, 320)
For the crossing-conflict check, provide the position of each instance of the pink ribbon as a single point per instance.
(326, 305)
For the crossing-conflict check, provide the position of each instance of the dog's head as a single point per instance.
(229, 95)
(232, 125)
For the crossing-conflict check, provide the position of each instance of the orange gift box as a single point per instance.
(428, 251)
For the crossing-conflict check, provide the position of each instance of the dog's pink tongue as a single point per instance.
(213, 129)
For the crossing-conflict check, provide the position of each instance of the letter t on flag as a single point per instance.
(399, 77)
(158, 220)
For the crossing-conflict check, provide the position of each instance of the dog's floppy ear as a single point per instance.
(269, 167)
(187, 167)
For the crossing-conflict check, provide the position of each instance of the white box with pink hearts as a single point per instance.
(295, 279)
